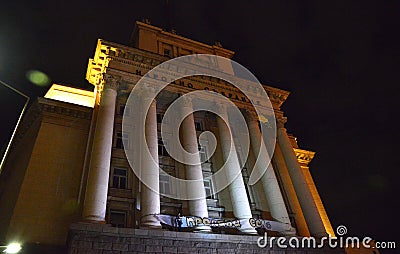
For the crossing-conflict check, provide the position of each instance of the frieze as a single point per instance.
(145, 61)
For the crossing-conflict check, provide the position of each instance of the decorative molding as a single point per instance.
(303, 156)
(58, 108)
(111, 81)
(277, 96)
(110, 55)
(250, 115)
(281, 122)
(35, 113)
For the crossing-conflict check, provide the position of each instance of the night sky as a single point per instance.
(339, 59)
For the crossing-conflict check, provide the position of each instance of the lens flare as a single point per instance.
(38, 78)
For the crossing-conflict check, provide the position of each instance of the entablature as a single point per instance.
(135, 62)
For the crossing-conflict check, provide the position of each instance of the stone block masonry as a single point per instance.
(87, 238)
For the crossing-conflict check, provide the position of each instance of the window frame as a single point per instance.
(119, 140)
(167, 171)
(114, 175)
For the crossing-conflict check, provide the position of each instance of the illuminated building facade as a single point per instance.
(68, 173)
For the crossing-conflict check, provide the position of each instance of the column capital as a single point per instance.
(304, 156)
(187, 101)
(251, 115)
(223, 107)
(281, 122)
(111, 81)
(147, 91)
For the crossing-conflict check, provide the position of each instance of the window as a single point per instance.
(159, 117)
(167, 52)
(208, 188)
(165, 186)
(119, 178)
(122, 139)
(198, 126)
(203, 154)
(167, 49)
(249, 189)
(123, 109)
(162, 151)
(117, 218)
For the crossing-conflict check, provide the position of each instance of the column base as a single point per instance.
(150, 227)
(150, 222)
(202, 229)
(248, 231)
(246, 228)
(94, 219)
(290, 232)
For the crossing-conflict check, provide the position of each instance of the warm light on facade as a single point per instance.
(304, 157)
(71, 95)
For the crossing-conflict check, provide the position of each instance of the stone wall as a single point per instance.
(40, 187)
(104, 239)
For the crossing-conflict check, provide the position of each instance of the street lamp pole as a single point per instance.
(3, 160)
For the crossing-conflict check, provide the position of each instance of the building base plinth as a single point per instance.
(96, 238)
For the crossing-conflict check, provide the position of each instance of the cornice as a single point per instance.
(64, 109)
(44, 105)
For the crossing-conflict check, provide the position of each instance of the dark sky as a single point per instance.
(339, 59)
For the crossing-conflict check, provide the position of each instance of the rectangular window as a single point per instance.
(119, 178)
(118, 218)
(122, 139)
(249, 189)
(203, 153)
(165, 186)
(162, 151)
(167, 52)
(198, 126)
(208, 188)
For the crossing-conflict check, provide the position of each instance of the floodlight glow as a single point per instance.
(13, 248)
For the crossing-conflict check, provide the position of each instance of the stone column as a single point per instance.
(301, 224)
(193, 171)
(94, 208)
(310, 211)
(237, 189)
(263, 162)
(318, 201)
(149, 196)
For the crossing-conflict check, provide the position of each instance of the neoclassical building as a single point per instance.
(68, 173)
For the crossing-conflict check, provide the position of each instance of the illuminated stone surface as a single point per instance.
(67, 164)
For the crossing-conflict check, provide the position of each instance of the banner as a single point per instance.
(193, 221)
